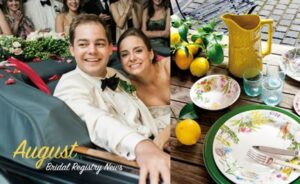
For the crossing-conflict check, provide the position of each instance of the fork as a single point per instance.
(268, 160)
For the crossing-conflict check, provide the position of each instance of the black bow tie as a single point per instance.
(46, 2)
(111, 82)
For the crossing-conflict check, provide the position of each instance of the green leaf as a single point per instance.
(188, 22)
(188, 111)
(212, 24)
(210, 39)
(127, 87)
(183, 30)
(205, 41)
(207, 28)
(215, 53)
(186, 50)
(176, 21)
(218, 36)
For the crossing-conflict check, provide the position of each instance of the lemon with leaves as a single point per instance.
(183, 58)
(199, 66)
(188, 132)
(174, 37)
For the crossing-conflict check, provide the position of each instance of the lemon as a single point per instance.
(193, 48)
(174, 37)
(199, 66)
(182, 60)
(188, 132)
(198, 40)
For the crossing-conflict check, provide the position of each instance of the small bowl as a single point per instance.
(296, 103)
(215, 92)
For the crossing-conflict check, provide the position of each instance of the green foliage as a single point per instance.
(127, 87)
(188, 111)
(42, 47)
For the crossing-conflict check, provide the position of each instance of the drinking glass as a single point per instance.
(252, 80)
(272, 85)
(272, 90)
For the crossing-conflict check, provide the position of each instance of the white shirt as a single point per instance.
(116, 120)
(42, 16)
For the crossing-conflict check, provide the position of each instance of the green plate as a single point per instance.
(208, 158)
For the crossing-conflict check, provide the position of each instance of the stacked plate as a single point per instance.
(291, 63)
(229, 139)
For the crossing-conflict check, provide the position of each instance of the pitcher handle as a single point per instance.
(269, 22)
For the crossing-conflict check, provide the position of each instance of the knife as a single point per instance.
(278, 151)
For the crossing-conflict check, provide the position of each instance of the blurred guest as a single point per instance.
(63, 20)
(20, 25)
(126, 13)
(4, 27)
(101, 8)
(43, 13)
(156, 22)
(150, 77)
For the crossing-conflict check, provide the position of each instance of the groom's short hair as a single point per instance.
(86, 19)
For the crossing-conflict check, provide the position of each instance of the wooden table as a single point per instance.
(187, 164)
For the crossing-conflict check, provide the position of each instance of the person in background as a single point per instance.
(126, 14)
(150, 77)
(115, 118)
(43, 13)
(156, 22)
(4, 27)
(63, 20)
(20, 25)
(101, 8)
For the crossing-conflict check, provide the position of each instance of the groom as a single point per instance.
(116, 119)
(43, 13)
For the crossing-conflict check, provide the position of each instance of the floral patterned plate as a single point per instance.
(291, 63)
(255, 125)
(215, 92)
(297, 103)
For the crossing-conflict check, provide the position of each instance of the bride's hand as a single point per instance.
(19, 16)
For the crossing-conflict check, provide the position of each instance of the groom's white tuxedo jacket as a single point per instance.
(116, 120)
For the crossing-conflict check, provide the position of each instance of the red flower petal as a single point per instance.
(10, 64)
(1, 75)
(8, 71)
(16, 71)
(10, 81)
(54, 77)
(36, 59)
(69, 61)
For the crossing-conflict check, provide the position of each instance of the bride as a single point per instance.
(43, 13)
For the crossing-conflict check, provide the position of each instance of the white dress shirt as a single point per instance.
(42, 16)
(116, 120)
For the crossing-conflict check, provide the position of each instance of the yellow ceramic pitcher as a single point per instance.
(245, 42)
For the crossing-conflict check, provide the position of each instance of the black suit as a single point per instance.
(96, 7)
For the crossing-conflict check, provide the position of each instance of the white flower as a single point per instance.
(16, 44)
(11, 50)
(36, 35)
(18, 51)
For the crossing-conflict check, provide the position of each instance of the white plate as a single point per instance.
(297, 103)
(256, 127)
(288, 62)
(215, 92)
